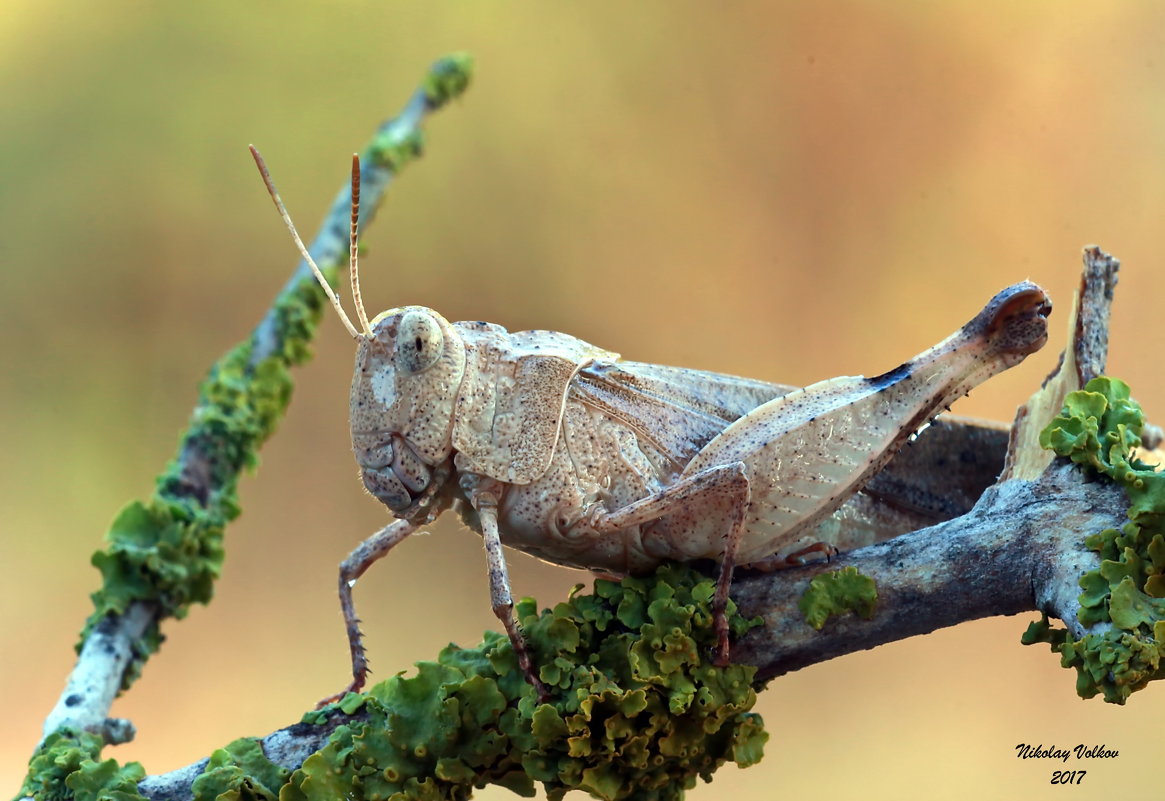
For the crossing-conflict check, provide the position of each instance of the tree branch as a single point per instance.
(1021, 549)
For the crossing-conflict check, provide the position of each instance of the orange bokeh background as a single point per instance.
(786, 191)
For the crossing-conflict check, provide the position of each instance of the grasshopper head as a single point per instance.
(409, 365)
(408, 371)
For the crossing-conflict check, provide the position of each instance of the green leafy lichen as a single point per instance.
(240, 772)
(836, 593)
(106, 781)
(66, 768)
(1100, 427)
(636, 710)
(447, 79)
(395, 147)
(400, 142)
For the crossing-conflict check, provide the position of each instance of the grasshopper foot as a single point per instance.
(539, 687)
(774, 563)
(797, 558)
(525, 664)
(720, 625)
(356, 686)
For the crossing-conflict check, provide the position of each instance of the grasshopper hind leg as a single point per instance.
(719, 493)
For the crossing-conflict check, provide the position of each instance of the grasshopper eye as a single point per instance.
(419, 342)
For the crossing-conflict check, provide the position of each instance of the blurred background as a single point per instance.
(785, 191)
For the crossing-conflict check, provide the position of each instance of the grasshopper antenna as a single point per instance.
(299, 242)
(353, 268)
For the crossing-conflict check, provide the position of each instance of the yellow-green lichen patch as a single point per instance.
(65, 768)
(836, 593)
(1100, 427)
(240, 772)
(635, 711)
(448, 79)
(400, 142)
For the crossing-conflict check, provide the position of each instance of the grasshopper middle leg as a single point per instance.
(484, 498)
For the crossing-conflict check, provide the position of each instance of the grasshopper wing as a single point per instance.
(676, 411)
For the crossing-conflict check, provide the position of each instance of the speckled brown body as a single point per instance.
(628, 431)
(571, 435)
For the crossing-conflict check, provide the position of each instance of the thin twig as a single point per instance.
(209, 462)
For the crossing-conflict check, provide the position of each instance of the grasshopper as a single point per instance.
(559, 448)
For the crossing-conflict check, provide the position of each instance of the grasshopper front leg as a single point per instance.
(362, 557)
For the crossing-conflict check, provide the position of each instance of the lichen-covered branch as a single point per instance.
(165, 553)
(1029, 544)
(1023, 548)
(635, 712)
(1020, 550)
(634, 708)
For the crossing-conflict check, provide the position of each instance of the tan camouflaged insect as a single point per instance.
(561, 449)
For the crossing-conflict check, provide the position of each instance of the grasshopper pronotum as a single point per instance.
(561, 449)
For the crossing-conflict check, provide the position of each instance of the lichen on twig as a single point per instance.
(164, 554)
(1123, 601)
